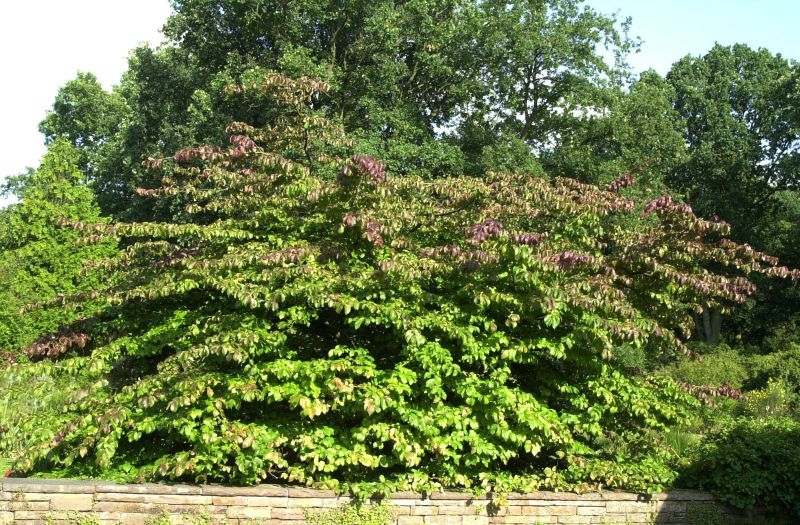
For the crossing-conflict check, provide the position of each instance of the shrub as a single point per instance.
(750, 462)
(782, 365)
(774, 400)
(318, 321)
(722, 367)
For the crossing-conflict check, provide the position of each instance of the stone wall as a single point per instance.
(33, 502)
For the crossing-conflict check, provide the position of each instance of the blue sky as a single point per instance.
(671, 29)
(44, 42)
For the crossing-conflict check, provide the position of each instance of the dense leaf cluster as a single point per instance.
(316, 320)
(751, 462)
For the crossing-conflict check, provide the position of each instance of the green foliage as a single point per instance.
(638, 132)
(316, 320)
(779, 365)
(380, 514)
(750, 462)
(39, 257)
(703, 513)
(85, 115)
(432, 87)
(741, 129)
(776, 399)
(721, 367)
(32, 396)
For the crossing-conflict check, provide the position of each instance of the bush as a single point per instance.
(782, 365)
(722, 367)
(774, 400)
(750, 462)
(316, 320)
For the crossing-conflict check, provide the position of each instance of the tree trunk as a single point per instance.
(716, 326)
(708, 325)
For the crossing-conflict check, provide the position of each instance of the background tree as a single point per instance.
(742, 133)
(432, 87)
(541, 66)
(638, 132)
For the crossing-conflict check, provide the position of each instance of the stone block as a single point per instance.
(527, 520)
(71, 502)
(320, 503)
(23, 515)
(591, 511)
(253, 513)
(6, 518)
(625, 507)
(287, 514)
(311, 493)
(251, 501)
(30, 496)
(533, 511)
(410, 520)
(475, 520)
(27, 505)
(148, 488)
(47, 485)
(452, 495)
(452, 510)
(405, 495)
(124, 507)
(623, 496)
(258, 490)
(425, 511)
(575, 519)
(443, 520)
(131, 518)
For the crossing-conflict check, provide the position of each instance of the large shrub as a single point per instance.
(318, 321)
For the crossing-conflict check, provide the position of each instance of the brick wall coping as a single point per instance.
(61, 486)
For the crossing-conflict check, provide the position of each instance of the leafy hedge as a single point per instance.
(750, 462)
(318, 321)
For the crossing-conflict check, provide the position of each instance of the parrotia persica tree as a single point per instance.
(319, 321)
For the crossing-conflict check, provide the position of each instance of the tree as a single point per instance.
(425, 85)
(742, 132)
(39, 257)
(638, 132)
(86, 116)
(320, 321)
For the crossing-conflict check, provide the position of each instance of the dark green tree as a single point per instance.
(742, 133)
(430, 86)
(542, 67)
(638, 132)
